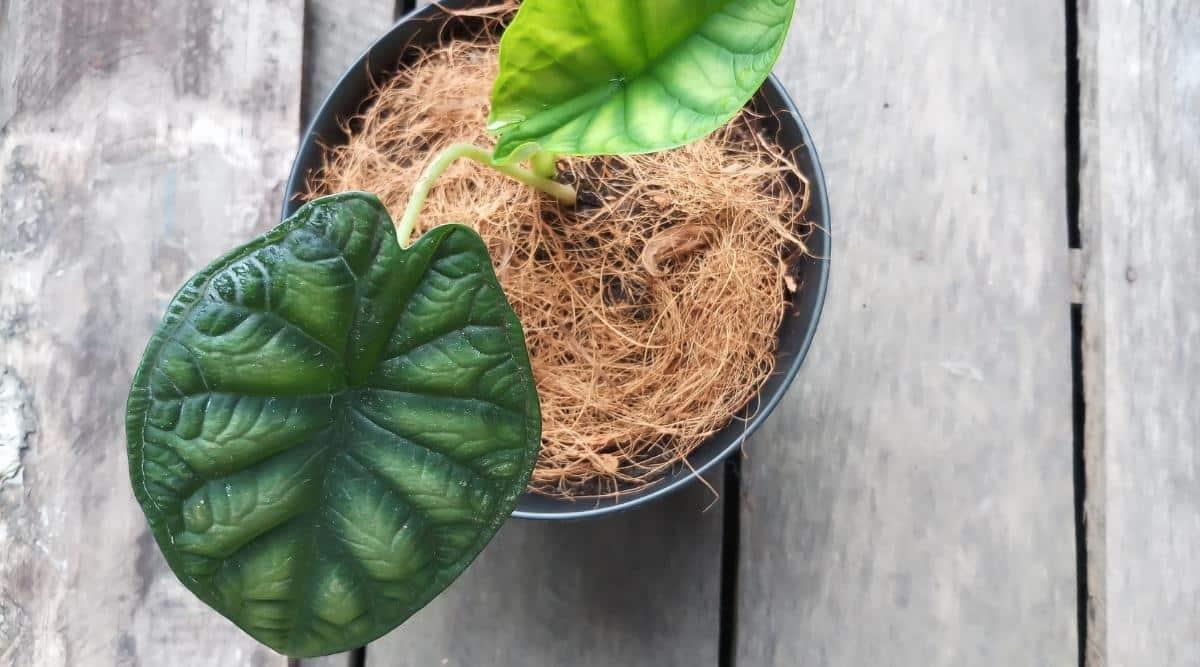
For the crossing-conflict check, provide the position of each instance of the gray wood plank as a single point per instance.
(335, 660)
(639, 588)
(1140, 231)
(137, 141)
(336, 32)
(911, 502)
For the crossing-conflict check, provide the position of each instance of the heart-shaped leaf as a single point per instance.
(326, 429)
(630, 76)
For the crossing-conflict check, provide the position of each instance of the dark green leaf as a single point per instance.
(630, 76)
(326, 429)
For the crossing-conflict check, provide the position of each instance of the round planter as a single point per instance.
(424, 27)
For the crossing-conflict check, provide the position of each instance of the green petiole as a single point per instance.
(544, 164)
(533, 178)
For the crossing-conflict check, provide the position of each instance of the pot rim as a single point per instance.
(766, 402)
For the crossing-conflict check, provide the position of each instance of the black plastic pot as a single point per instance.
(425, 27)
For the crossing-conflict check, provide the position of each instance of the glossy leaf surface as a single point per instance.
(630, 76)
(326, 429)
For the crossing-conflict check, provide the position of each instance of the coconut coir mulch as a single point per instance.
(650, 310)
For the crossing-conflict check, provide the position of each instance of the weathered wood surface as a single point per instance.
(642, 588)
(336, 32)
(1140, 228)
(335, 660)
(911, 502)
(137, 140)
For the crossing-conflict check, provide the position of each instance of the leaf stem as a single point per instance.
(562, 192)
(544, 164)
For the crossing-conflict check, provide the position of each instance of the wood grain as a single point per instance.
(336, 32)
(640, 588)
(911, 502)
(335, 660)
(138, 139)
(1140, 91)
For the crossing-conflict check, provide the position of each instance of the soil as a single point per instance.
(650, 308)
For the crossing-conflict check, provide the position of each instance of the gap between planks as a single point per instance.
(1141, 329)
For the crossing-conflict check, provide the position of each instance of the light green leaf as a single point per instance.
(630, 76)
(326, 429)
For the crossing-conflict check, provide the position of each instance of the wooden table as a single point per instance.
(990, 457)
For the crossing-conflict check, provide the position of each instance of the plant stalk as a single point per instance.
(561, 192)
(544, 164)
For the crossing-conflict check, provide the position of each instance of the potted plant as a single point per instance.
(330, 423)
